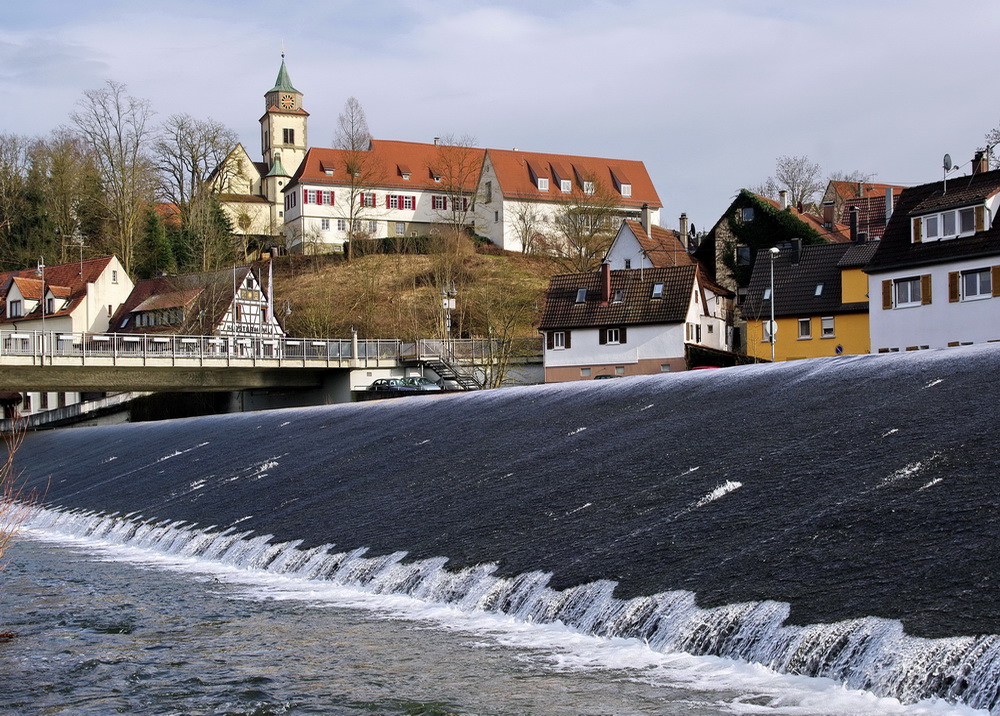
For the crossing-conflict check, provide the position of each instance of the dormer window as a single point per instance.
(543, 184)
(565, 186)
(626, 189)
(581, 295)
(657, 290)
(14, 309)
(588, 187)
(950, 224)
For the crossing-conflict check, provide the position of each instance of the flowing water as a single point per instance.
(736, 541)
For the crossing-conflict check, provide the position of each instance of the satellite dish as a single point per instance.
(947, 162)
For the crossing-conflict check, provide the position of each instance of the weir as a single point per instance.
(832, 518)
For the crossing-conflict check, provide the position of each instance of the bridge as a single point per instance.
(50, 361)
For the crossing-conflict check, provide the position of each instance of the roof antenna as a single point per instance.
(947, 165)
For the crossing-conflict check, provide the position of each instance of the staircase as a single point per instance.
(440, 358)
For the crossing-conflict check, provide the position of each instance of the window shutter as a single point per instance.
(916, 231)
(603, 337)
(886, 295)
(925, 289)
(465, 204)
(332, 198)
(569, 332)
(980, 217)
(621, 335)
(444, 203)
(953, 286)
(549, 340)
(995, 276)
(305, 196)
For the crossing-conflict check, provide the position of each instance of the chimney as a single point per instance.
(683, 224)
(783, 198)
(888, 203)
(437, 141)
(605, 283)
(828, 207)
(644, 218)
(980, 163)
(855, 214)
(796, 253)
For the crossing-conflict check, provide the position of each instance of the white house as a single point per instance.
(520, 193)
(629, 322)
(935, 279)
(392, 189)
(76, 297)
(639, 245)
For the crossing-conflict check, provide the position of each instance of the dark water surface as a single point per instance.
(828, 518)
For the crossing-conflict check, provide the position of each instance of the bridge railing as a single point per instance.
(51, 345)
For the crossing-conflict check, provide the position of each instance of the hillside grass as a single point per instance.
(399, 295)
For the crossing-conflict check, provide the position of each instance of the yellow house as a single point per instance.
(820, 301)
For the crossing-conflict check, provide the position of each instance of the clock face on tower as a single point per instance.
(287, 101)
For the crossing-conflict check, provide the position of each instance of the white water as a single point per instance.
(868, 665)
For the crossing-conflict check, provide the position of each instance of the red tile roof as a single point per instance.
(391, 160)
(836, 233)
(663, 248)
(68, 281)
(513, 170)
(850, 189)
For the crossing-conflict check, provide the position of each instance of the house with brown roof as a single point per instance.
(230, 302)
(390, 190)
(47, 304)
(638, 246)
(870, 204)
(819, 298)
(629, 322)
(935, 277)
(521, 194)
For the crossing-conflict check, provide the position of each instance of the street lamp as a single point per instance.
(772, 326)
(41, 271)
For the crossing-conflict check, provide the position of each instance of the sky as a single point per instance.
(707, 93)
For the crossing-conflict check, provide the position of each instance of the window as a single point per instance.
(565, 186)
(341, 224)
(626, 190)
(664, 367)
(617, 297)
(619, 370)
(585, 372)
(368, 199)
(439, 203)
(767, 294)
(614, 336)
(50, 305)
(114, 276)
(657, 290)
(324, 224)
(543, 183)
(742, 255)
(310, 196)
(746, 213)
(288, 135)
(372, 228)
(581, 295)
(588, 187)
(393, 201)
(976, 284)
(946, 225)
(14, 309)
(805, 328)
(327, 198)
(765, 331)
(907, 292)
(628, 263)
(400, 228)
(827, 326)
(558, 340)
(489, 192)
(408, 202)
(496, 217)
(819, 290)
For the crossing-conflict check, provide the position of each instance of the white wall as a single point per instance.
(939, 323)
(654, 341)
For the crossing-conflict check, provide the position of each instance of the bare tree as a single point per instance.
(801, 178)
(528, 227)
(15, 153)
(187, 150)
(116, 127)
(363, 171)
(69, 166)
(457, 164)
(584, 226)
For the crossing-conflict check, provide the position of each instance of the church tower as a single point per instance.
(283, 126)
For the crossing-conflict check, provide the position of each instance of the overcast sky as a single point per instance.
(708, 93)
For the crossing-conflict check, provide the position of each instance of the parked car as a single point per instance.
(391, 384)
(421, 383)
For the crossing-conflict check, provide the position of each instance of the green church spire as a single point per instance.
(284, 82)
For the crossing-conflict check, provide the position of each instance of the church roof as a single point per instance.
(283, 83)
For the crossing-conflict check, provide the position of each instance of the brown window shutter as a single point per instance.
(917, 228)
(925, 289)
(980, 217)
(621, 334)
(550, 341)
(995, 280)
(886, 294)
(568, 334)
(953, 294)
(603, 337)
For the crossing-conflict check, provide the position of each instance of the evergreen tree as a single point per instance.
(157, 250)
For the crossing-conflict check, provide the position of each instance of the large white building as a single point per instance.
(934, 281)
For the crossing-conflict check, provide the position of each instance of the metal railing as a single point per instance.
(50, 347)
